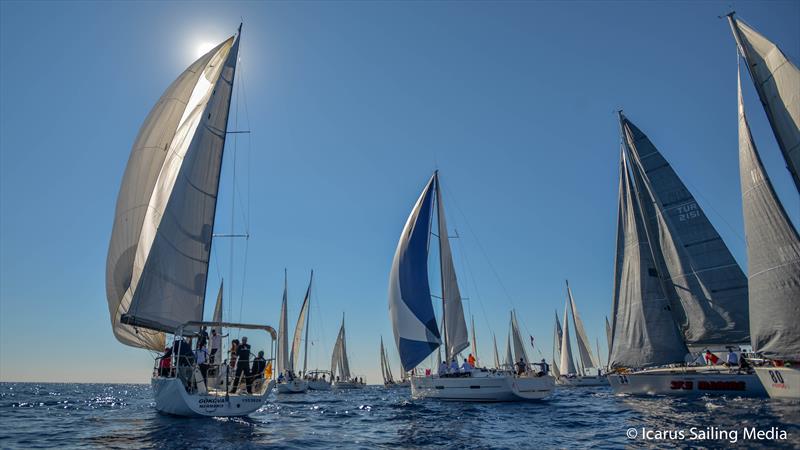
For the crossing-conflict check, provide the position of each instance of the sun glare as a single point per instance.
(203, 48)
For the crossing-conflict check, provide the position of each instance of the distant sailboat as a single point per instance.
(676, 284)
(291, 382)
(572, 376)
(773, 245)
(340, 364)
(386, 371)
(416, 332)
(157, 266)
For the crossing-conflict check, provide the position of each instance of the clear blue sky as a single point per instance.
(351, 107)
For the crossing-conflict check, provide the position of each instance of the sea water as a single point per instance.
(123, 416)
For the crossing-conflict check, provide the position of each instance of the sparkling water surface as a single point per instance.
(123, 416)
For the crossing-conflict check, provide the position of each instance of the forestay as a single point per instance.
(706, 286)
(158, 254)
(777, 81)
(773, 254)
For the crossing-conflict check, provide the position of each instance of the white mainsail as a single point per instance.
(584, 347)
(773, 254)
(777, 81)
(567, 364)
(282, 357)
(339, 360)
(455, 327)
(302, 322)
(158, 255)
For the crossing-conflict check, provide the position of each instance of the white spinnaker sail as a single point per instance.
(584, 347)
(516, 339)
(773, 254)
(777, 81)
(158, 254)
(301, 324)
(282, 357)
(455, 324)
(567, 364)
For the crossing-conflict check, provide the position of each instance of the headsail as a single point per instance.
(509, 362)
(584, 347)
(158, 255)
(455, 328)
(283, 362)
(217, 318)
(567, 364)
(496, 354)
(706, 286)
(410, 308)
(643, 329)
(777, 81)
(773, 254)
(302, 320)
(474, 341)
(516, 339)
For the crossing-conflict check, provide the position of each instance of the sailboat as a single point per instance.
(290, 382)
(157, 266)
(571, 376)
(386, 371)
(414, 324)
(340, 364)
(773, 245)
(676, 284)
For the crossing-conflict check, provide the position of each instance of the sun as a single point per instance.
(203, 48)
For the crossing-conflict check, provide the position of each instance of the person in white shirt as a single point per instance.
(216, 344)
(454, 366)
(443, 368)
(201, 356)
(466, 367)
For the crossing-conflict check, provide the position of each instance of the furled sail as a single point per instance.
(777, 81)
(705, 283)
(516, 339)
(773, 254)
(644, 331)
(567, 364)
(158, 254)
(283, 362)
(455, 326)
(584, 347)
(410, 307)
(302, 320)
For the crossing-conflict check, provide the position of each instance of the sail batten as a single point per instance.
(773, 254)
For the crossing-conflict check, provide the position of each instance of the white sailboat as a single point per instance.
(157, 267)
(571, 376)
(416, 332)
(676, 285)
(773, 245)
(340, 364)
(386, 371)
(288, 380)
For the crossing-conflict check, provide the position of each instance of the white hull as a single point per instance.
(483, 387)
(171, 398)
(400, 385)
(587, 381)
(347, 385)
(319, 385)
(780, 382)
(687, 381)
(292, 387)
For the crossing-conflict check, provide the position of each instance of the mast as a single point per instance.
(441, 266)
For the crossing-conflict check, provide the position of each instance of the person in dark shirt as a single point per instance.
(259, 365)
(242, 366)
(202, 337)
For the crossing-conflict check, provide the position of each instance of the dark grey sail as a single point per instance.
(773, 254)
(706, 286)
(643, 329)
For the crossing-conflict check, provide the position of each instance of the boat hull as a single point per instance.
(292, 387)
(486, 388)
(319, 385)
(780, 382)
(342, 385)
(588, 381)
(687, 382)
(171, 398)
